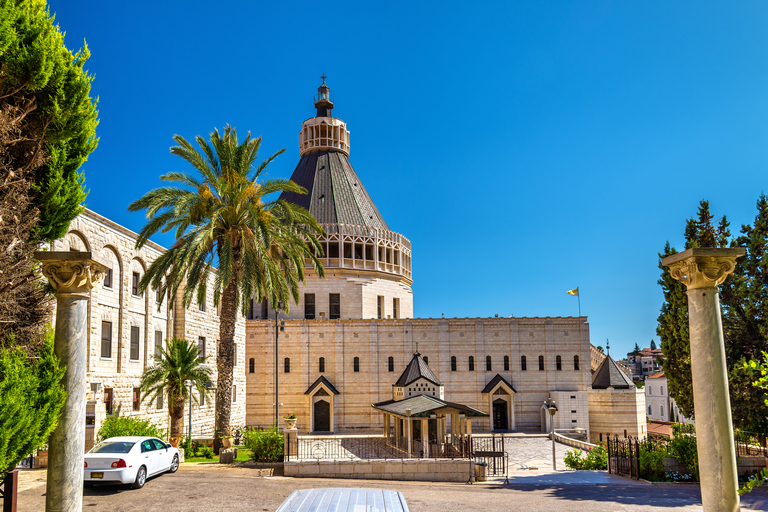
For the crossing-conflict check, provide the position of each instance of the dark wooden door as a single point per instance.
(500, 415)
(322, 416)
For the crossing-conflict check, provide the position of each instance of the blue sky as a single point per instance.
(525, 148)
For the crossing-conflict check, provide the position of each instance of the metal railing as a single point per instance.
(750, 444)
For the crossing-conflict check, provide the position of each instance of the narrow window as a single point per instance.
(661, 412)
(287, 365)
(201, 306)
(395, 308)
(661, 391)
(650, 390)
(136, 399)
(234, 393)
(471, 363)
(108, 400)
(601, 438)
(558, 363)
(251, 309)
(309, 306)
(575, 362)
(108, 278)
(391, 363)
(106, 339)
(488, 363)
(135, 343)
(523, 365)
(158, 342)
(321, 365)
(453, 363)
(380, 307)
(625, 433)
(159, 401)
(541, 363)
(334, 306)
(650, 411)
(135, 284)
(201, 345)
(357, 364)
(506, 363)
(159, 295)
(426, 359)
(251, 365)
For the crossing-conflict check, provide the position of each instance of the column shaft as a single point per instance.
(64, 487)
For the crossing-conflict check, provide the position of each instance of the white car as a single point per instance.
(129, 460)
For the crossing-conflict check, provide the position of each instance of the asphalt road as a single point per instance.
(217, 488)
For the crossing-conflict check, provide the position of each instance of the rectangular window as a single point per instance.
(201, 306)
(234, 393)
(108, 278)
(158, 342)
(135, 333)
(136, 399)
(395, 308)
(159, 401)
(159, 295)
(334, 303)
(106, 339)
(108, 400)
(202, 400)
(380, 307)
(309, 306)
(135, 284)
(201, 345)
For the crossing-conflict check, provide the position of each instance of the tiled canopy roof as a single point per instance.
(415, 370)
(321, 380)
(335, 193)
(423, 405)
(494, 381)
(609, 375)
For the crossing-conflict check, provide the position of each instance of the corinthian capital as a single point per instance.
(703, 267)
(71, 272)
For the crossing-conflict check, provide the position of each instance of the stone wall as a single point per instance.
(112, 363)
(425, 470)
(620, 412)
(373, 342)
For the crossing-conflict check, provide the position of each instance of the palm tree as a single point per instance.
(224, 220)
(179, 362)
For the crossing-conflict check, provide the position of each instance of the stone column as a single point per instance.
(72, 274)
(702, 270)
(425, 436)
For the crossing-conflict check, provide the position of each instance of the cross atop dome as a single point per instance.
(323, 99)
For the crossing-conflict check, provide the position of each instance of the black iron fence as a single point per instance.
(490, 451)
(750, 444)
(624, 456)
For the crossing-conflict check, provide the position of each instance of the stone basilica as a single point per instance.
(352, 335)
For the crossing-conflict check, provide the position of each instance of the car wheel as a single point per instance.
(141, 478)
(174, 464)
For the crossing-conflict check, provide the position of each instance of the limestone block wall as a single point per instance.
(373, 342)
(424, 470)
(572, 410)
(618, 412)
(113, 364)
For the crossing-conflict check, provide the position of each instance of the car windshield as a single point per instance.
(115, 447)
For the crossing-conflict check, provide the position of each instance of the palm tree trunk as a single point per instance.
(176, 410)
(225, 360)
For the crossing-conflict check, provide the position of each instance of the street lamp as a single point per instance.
(552, 409)
(188, 383)
(277, 393)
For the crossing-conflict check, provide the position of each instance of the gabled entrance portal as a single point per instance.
(322, 416)
(500, 414)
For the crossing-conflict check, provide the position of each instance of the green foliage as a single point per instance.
(754, 481)
(744, 314)
(291, 416)
(178, 362)
(31, 399)
(682, 447)
(222, 216)
(45, 83)
(266, 445)
(652, 462)
(653, 345)
(206, 452)
(115, 426)
(596, 459)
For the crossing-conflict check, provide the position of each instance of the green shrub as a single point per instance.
(115, 426)
(597, 458)
(265, 445)
(652, 463)
(31, 399)
(683, 447)
(574, 459)
(206, 451)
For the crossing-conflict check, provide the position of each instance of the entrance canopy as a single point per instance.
(422, 406)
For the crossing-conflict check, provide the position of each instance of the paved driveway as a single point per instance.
(208, 488)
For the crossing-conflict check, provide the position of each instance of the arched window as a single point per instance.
(453, 363)
(650, 411)
(391, 363)
(523, 365)
(287, 365)
(506, 363)
(357, 364)
(471, 363)
(541, 363)
(426, 359)
(251, 365)
(321, 365)
(558, 363)
(575, 362)
(487, 363)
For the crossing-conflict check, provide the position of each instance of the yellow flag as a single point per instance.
(575, 291)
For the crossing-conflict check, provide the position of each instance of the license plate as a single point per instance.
(97, 475)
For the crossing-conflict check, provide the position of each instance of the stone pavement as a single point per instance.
(533, 451)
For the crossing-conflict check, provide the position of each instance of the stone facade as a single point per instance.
(618, 412)
(356, 358)
(125, 328)
(659, 404)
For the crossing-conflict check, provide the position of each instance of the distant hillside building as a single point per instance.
(659, 404)
(643, 363)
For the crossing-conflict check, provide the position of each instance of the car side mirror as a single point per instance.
(167, 445)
